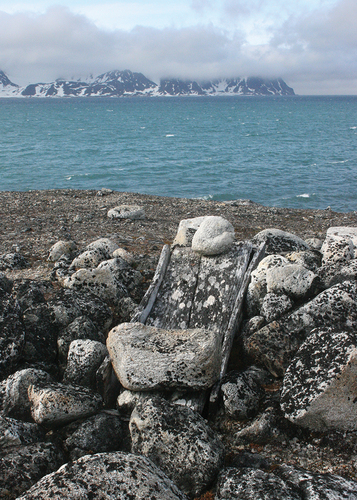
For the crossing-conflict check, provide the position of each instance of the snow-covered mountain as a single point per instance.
(128, 83)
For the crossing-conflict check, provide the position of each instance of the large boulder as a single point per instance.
(293, 280)
(278, 241)
(115, 475)
(319, 388)
(179, 441)
(214, 236)
(340, 245)
(186, 230)
(84, 359)
(146, 358)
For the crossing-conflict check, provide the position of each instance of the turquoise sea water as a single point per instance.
(279, 151)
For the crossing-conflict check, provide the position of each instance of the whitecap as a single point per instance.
(69, 178)
(170, 135)
(304, 195)
(353, 128)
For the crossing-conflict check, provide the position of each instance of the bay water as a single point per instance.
(297, 151)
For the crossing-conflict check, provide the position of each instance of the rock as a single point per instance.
(16, 402)
(41, 334)
(132, 212)
(251, 460)
(124, 273)
(340, 245)
(15, 433)
(23, 467)
(106, 475)
(84, 359)
(5, 283)
(319, 387)
(179, 442)
(12, 333)
(57, 404)
(186, 230)
(257, 288)
(293, 280)
(107, 384)
(316, 486)
(62, 248)
(274, 306)
(100, 282)
(127, 400)
(105, 245)
(252, 484)
(146, 358)
(262, 430)
(333, 274)
(30, 293)
(89, 259)
(70, 304)
(314, 243)
(275, 344)
(125, 310)
(124, 254)
(81, 328)
(214, 236)
(13, 261)
(98, 434)
(278, 241)
(309, 259)
(241, 393)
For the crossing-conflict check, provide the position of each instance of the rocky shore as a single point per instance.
(74, 265)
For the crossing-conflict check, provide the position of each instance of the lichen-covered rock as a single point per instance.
(262, 430)
(186, 230)
(278, 241)
(340, 245)
(62, 248)
(127, 400)
(241, 393)
(84, 359)
(308, 258)
(293, 280)
(214, 236)
(105, 245)
(16, 402)
(24, 466)
(257, 288)
(316, 486)
(179, 441)
(275, 344)
(12, 333)
(133, 212)
(274, 306)
(13, 261)
(147, 358)
(41, 334)
(252, 484)
(98, 434)
(319, 388)
(57, 404)
(124, 273)
(124, 254)
(81, 328)
(106, 475)
(17, 433)
(89, 259)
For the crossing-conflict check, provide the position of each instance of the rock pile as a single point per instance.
(94, 406)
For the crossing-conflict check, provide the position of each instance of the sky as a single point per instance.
(311, 44)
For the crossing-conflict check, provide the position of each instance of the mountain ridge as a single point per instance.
(118, 83)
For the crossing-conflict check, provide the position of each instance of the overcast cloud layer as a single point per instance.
(314, 50)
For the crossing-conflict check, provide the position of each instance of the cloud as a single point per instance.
(315, 52)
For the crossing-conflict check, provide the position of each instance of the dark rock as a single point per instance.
(84, 359)
(13, 261)
(179, 441)
(41, 334)
(15, 433)
(251, 460)
(278, 241)
(241, 393)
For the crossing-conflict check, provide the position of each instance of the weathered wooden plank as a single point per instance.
(149, 298)
(219, 281)
(175, 296)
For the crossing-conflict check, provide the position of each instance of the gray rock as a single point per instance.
(16, 402)
(81, 328)
(339, 273)
(124, 254)
(340, 245)
(241, 393)
(124, 273)
(105, 245)
(100, 282)
(127, 400)
(41, 334)
(17, 433)
(147, 358)
(13, 261)
(308, 258)
(262, 430)
(178, 441)
(252, 484)
(132, 212)
(98, 434)
(12, 333)
(23, 467)
(186, 230)
(62, 248)
(275, 344)
(274, 306)
(293, 280)
(5, 283)
(114, 475)
(314, 243)
(278, 241)
(89, 259)
(319, 387)
(315, 486)
(214, 236)
(57, 404)
(84, 359)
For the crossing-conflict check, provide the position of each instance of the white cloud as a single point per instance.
(315, 52)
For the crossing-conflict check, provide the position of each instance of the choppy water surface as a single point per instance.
(280, 151)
